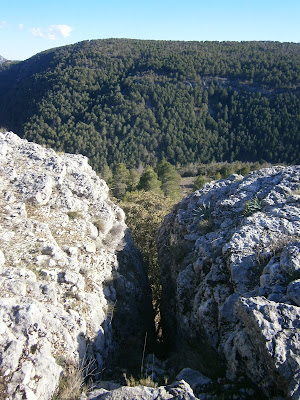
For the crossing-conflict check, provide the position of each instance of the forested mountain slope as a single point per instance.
(134, 101)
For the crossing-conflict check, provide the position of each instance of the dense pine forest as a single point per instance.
(137, 102)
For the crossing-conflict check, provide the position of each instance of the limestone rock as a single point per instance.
(195, 379)
(273, 337)
(69, 273)
(179, 390)
(230, 256)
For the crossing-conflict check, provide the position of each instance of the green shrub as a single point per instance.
(74, 214)
(252, 206)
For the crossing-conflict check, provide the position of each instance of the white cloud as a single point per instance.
(54, 32)
(21, 27)
(36, 32)
(3, 24)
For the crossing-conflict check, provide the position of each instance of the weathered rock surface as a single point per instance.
(230, 259)
(72, 286)
(178, 390)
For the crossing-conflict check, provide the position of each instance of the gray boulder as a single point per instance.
(195, 379)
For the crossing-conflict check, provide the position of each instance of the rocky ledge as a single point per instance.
(72, 287)
(230, 263)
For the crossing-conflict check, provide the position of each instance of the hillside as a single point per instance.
(137, 101)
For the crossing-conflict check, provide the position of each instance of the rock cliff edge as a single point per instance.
(230, 263)
(72, 285)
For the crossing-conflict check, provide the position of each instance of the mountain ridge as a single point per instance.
(138, 101)
(2, 60)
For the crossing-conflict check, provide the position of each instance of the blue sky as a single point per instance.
(28, 27)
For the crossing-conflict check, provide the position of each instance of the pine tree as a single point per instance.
(149, 181)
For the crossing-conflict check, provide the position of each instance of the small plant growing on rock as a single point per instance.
(100, 225)
(204, 216)
(73, 380)
(60, 360)
(71, 384)
(110, 310)
(3, 386)
(131, 381)
(74, 214)
(252, 206)
(203, 211)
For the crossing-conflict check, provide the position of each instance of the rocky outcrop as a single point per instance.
(178, 390)
(72, 286)
(230, 263)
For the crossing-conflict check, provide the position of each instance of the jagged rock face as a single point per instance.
(230, 259)
(64, 295)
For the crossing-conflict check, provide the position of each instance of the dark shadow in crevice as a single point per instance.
(127, 334)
